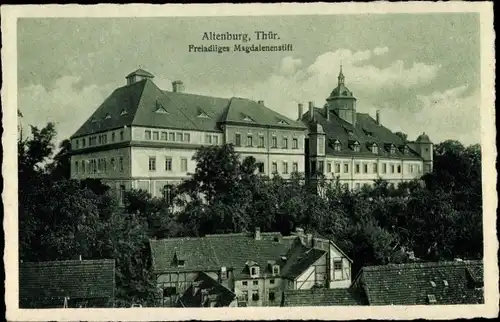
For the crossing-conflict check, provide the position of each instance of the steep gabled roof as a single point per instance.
(194, 298)
(140, 72)
(410, 284)
(84, 279)
(324, 297)
(366, 131)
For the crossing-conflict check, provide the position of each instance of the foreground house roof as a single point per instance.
(423, 283)
(324, 297)
(235, 252)
(83, 279)
(204, 290)
(144, 104)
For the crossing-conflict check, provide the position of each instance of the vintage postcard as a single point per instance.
(249, 161)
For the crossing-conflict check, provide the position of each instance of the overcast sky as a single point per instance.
(422, 71)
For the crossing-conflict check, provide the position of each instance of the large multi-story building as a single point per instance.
(357, 149)
(144, 137)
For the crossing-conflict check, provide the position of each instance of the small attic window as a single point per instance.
(247, 118)
(374, 148)
(275, 269)
(445, 282)
(393, 149)
(355, 146)
(348, 131)
(367, 133)
(202, 113)
(180, 263)
(93, 120)
(160, 109)
(124, 112)
(431, 299)
(107, 116)
(344, 93)
(433, 284)
(406, 150)
(282, 122)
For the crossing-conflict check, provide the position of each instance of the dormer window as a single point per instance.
(374, 148)
(282, 122)
(223, 272)
(93, 120)
(336, 145)
(160, 108)
(348, 131)
(393, 149)
(406, 150)
(202, 113)
(247, 118)
(180, 263)
(355, 146)
(107, 116)
(367, 133)
(123, 112)
(254, 271)
(276, 269)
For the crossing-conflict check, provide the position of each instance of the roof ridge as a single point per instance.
(421, 265)
(69, 261)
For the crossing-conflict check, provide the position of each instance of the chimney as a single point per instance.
(261, 102)
(311, 110)
(257, 233)
(301, 110)
(378, 117)
(177, 86)
(327, 112)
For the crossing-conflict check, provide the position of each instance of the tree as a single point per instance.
(60, 168)
(403, 136)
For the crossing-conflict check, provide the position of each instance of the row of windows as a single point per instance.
(256, 282)
(99, 139)
(167, 136)
(260, 142)
(98, 165)
(364, 167)
(168, 164)
(274, 167)
(356, 147)
(256, 296)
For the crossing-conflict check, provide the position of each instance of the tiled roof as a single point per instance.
(408, 284)
(233, 251)
(299, 258)
(85, 279)
(366, 132)
(324, 297)
(137, 104)
(194, 298)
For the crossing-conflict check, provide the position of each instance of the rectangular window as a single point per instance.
(244, 283)
(392, 168)
(156, 136)
(295, 143)
(83, 166)
(295, 167)
(274, 142)
(187, 137)
(171, 137)
(285, 167)
(321, 166)
(285, 143)
(208, 139)
(121, 164)
(321, 145)
(152, 163)
(147, 135)
(77, 143)
(255, 283)
(216, 140)
(237, 139)
(337, 167)
(104, 165)
(83, 142)
(261, 141)
(356, 168)
(164, 136)
(411, 168)
(184, 165)
(329, 167)
(337, 264)
(384, 168)
(122, 136)
(100, 139)
(375, 168)
(168, 164)
(272, 296)
(113, 135)
(255, 295)
(271, 281)
(244, 296)
(179, 137)
(365, 166)
(260, 167)
(76, 166)
(275, 167)
(399, 168)
(346, 168)
(113, 165)
(249, 141)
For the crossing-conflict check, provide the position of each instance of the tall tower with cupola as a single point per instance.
(342, 102)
